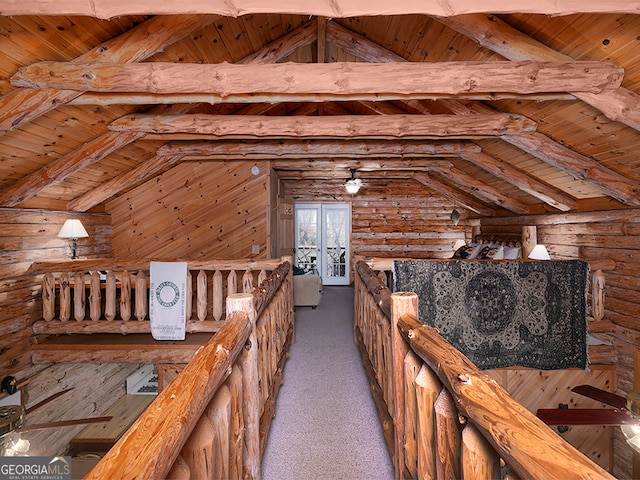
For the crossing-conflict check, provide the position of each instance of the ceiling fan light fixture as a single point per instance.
(353, 184)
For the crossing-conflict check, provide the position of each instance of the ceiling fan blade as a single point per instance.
(47, 400)
(585, 416)
(63, 423)
(600, 395)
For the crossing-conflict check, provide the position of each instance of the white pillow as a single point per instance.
(491, 253)
(511, 253)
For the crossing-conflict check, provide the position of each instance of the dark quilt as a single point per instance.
(502, 314)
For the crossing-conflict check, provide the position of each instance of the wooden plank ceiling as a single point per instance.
(511, 113)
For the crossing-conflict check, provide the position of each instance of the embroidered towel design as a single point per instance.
(167, 300)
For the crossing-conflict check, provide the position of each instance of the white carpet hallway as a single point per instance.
(326, 426)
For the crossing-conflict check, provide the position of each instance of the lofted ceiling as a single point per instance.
(122, 100)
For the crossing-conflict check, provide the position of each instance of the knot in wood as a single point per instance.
(464, 378)
(411, 334)
(247, 345)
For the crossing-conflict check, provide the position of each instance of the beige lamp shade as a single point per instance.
(73, 228)
(539, 252)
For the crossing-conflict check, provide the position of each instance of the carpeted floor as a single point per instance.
(326, 426)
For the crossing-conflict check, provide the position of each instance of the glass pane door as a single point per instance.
(307, 237)
(335, 251)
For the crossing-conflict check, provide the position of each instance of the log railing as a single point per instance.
(113, 297)
(442, 417)
(212, 420)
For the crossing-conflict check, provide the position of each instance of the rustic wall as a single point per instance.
(414, 224)
(613, 235)
(28, 236)
(199, 209)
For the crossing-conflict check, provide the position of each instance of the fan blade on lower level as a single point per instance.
(63, 423)
(600, 395)
(586, 416)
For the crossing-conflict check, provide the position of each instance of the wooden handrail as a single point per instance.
(524, 441)
(199, 427)
(90, 265)
(422, 379)
(150, 447)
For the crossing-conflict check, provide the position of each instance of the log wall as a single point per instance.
(27, 236)
(413, 224)
(613, 235)
(199, 209)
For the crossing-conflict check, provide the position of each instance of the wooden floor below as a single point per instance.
(536, 389)
(100, 437)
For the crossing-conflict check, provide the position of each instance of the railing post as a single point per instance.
(479, 460)
(250, 387)
(402, 303)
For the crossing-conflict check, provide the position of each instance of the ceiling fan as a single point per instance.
(353, 184)
(625, 413)
(13, 418)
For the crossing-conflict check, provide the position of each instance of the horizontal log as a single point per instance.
(380, 292)
(320, 148)
(105, 99)
(338, 126)
(338, 9)
(160, 436)
(491, 32)
(133, 265)
(103, 325)
(135, 45)
(342, 78)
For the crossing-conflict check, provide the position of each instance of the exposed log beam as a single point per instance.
(284, 46)
(61, 168)
(337, 126)
(376, 53)
(321, 40)
(568, 160)
(334, 9)
(342, 166)
(359, 46)
(319, 148)
(464, 199)
(580, 166)
(338, 78)
(542, 191)
(272, 52)
(622, 105)
(342, 174)
(483, 190)
(105, 99)
(23, 105)
(122, 181)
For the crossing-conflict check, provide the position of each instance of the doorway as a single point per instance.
(322, 240)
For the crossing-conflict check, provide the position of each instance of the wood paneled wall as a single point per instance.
(28, 236)
(611, 235)
(199, 209)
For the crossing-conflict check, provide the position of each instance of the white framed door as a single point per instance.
(322, 240)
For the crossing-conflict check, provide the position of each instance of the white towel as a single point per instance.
(167, 300)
